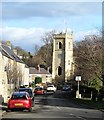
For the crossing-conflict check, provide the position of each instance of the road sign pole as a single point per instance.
(78, 86)
(78, 78)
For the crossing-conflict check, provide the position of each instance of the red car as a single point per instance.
(39, 91)
(20, 100)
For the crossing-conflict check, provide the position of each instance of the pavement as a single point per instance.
(3, 108)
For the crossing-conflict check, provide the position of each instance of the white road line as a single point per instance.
(59, 108)
(81, 118)
(71, 114)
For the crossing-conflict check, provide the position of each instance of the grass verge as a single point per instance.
(90, 103)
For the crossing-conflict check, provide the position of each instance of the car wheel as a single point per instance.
(7, 110)
(30, 109)
(33, 104)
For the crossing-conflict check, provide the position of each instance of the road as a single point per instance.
(55, 106)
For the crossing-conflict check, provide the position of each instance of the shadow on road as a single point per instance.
(61, 99)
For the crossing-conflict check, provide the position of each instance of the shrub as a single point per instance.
(38, 80)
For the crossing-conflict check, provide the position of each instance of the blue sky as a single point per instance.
(24, 23)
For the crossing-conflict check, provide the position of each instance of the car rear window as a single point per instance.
(26, 90)
(18, 96)
(38, 88)
(50, 86)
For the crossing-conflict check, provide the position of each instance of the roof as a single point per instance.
(24, 88)
(16, 93)
(3, 52)
(33, 70)
(6, 51)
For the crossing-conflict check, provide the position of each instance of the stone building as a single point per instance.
(40, 72)
(63, 65)
(13, 71)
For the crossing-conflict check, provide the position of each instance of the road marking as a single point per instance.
(71, 114)
(59, 108)
(81, 117)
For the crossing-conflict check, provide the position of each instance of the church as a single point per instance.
(63, 63)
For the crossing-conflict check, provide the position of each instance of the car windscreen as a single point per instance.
(18, 96)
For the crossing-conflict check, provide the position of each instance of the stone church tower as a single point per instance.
(62, 64)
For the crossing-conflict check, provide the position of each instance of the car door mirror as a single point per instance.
(8, 96)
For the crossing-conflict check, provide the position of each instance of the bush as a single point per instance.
(38, 80)
(95, 83)
(101, 94)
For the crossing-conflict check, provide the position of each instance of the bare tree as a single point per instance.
(14, 74)
(43, 55)
(88, 58)
(37, 47)
(46, 51)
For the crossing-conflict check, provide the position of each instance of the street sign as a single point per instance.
(78, 78)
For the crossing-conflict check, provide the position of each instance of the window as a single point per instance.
(59, 71)
(68, 62)
(60, 56)
(19, 96)
(60, 45)
(69, 45)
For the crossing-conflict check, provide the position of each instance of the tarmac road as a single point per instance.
(55, 106)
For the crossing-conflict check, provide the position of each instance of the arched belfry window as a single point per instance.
(60, 45)
(59, 71)
(69, 45)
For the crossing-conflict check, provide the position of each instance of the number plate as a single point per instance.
(18, 104)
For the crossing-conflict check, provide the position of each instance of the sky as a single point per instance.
(25, 23)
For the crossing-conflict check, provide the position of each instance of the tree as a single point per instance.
(38, 80)
(37, 47)
(88, 58)
(14, 74)
(43, 55)
(47, 51)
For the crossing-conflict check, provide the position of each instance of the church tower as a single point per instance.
(62, 64)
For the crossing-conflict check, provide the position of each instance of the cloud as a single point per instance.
(26, 38)
(15, 33)
(23, 37)
(23, 10)
(78, 36)
(25, 22)
(53, 1)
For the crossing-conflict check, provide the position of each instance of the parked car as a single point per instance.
(51, 88)
(66, 88)
(20, 100)
(29, 90)
(39, 91)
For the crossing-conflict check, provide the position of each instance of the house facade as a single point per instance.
(40, 72)
(13, 71)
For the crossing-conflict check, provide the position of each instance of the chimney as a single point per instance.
(0, 44)
(0, 48)
(38, 67)
(48, 69)
(15, 51)
(8, 43)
